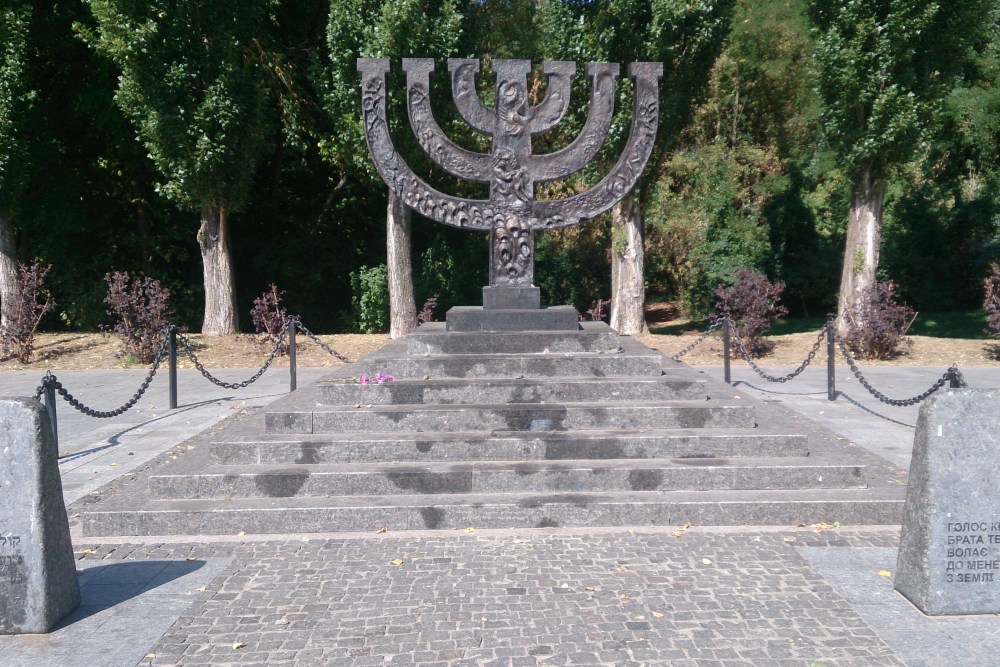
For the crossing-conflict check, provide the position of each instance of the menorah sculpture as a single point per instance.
(511, 214)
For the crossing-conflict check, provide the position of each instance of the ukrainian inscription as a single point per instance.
(972, 550)
(949, 551)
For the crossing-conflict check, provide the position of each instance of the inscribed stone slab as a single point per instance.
(949, 547)
(38, 584)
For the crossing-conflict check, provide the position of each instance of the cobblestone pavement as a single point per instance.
(565, 597)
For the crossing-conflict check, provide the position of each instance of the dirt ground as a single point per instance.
(82, 351)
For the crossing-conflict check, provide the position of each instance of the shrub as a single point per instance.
(877, 328)
(426, 313)
(370, 298)
(30, 303)
(140, 307)
(270, 318)
(597, 312)
(991, 301)
(751, 302)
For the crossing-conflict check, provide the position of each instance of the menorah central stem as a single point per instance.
(511, 189)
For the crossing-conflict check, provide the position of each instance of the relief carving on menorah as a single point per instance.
(511, 214)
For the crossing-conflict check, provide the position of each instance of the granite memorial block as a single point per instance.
(38, 584)
(949, 547)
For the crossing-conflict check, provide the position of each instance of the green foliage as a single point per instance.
(15, 95)
(370, 298)
(884, 69)
(194, 88)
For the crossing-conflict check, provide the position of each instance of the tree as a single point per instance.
(199, 102)
(15, 98)
(686, 37)
(885, 68)
(382, 29)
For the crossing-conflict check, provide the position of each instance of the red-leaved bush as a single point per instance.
(751, 302)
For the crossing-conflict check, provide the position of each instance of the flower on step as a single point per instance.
(378, 378)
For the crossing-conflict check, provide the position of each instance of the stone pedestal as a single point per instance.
(38, 584)
(949, 547)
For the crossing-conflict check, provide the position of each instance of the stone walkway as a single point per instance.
(670, 595)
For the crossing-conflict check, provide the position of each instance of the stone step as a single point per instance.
(509, 390)
(432, 338)
(557, 364)
(510, 417)
(363, 479)
(121, 517)
(508, 446)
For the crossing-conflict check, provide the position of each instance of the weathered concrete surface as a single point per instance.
(949, 550)
(38, 583)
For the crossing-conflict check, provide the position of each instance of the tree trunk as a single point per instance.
(217, 265)
(861, 254)
(8, 268)
(628, 292)
(402, 307)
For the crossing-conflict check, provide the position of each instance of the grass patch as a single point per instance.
(960, 324)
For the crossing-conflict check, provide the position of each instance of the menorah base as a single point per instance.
(476, 318)
(506, 298)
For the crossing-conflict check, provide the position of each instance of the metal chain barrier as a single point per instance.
(313, 338)
(234, 385)
(951, 374)
(50, 380)
(770, 378)
(701, 339)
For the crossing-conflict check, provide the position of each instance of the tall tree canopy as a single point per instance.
(15, 97)
(198, 99)
(885, 68)
(383, 29)
(687, 38)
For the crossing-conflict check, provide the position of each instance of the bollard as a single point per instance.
(292, 325)
(50, 406)
(831, 365)
(725, 350)
(172, 367)
(953, 382)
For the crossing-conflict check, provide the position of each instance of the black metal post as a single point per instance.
(292, 326)
(953, 382)
(50, 407)
(172, 366)
(725, 351)
(831, 365)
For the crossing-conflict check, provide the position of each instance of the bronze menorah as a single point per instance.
(511, 214)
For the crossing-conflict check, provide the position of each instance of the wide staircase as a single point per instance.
(503, 430)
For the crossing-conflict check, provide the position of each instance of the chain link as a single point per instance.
(701, 339)
(770, 378)
(51, 381)
(919, 398)
(234, 385)
(313, 338)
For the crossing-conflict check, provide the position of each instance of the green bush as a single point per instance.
(370, 298)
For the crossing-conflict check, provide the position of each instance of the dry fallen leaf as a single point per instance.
(706, 561)
(281, 621)
(470, 529)
(202, 589)
(237, 645)
(396, 561)
(884, 573)
(681, 530)
(240, 534)
(383, 529)
(89, 551)
(656, 614)
(149, 656)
